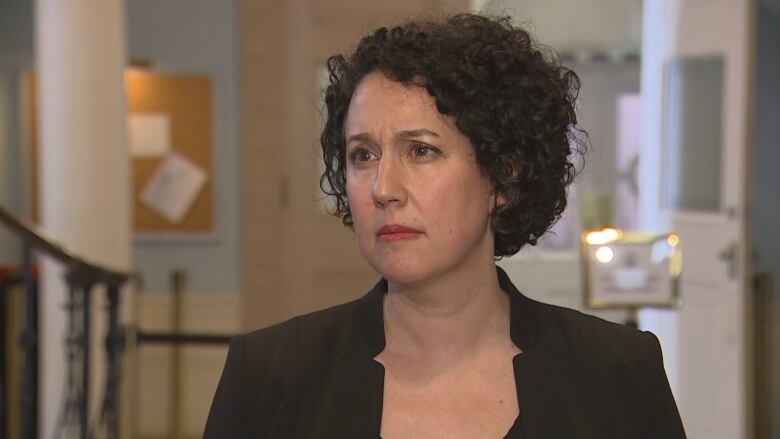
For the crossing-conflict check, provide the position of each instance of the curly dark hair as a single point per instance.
(507, 94)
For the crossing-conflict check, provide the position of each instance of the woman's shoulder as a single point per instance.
(617, 370)
(595, 337)
(267, 369)
(287, 343)
(316, 323)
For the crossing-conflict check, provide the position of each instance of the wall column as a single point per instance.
(83, 167)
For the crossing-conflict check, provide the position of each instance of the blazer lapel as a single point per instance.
(370, 386)
(544, 371)
(546, 396)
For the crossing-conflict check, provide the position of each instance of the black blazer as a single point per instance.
(314, 376)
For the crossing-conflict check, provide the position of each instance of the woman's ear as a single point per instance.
(511, 172)
(499, 199)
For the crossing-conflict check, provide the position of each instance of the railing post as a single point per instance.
(78, 342)
(114, 345)
(3, 313)
(86, 317)
(29, 342)
(178, 279)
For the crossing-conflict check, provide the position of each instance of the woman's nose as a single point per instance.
(388, 183)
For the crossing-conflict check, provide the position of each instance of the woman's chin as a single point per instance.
(402, 272)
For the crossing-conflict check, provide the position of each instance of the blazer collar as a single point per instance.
(523, 322)
(544, 371)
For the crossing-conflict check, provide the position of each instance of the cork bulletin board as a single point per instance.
(184, 102)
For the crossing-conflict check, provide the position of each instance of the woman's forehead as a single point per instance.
(380, 103)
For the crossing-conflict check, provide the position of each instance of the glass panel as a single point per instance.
(693, 133)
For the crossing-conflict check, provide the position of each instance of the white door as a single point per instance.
(695, 86)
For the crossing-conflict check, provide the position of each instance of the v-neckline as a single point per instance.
(521, 328)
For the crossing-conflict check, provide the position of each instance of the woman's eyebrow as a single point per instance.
(405, 134)
(360, 137)
(416, 133)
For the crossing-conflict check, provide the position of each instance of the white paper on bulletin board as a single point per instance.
(173, 187)
(149, 134)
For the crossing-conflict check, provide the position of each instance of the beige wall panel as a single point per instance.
(340, 287)
(153, 395)
(262, 129)
(201, 365)
(364, 16)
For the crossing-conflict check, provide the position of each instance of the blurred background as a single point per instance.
(159, 193)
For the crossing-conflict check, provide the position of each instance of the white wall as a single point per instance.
(577, 24)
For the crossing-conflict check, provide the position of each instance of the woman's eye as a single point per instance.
(361, 156)
(421, 150)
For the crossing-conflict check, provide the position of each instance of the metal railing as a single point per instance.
(82, 277)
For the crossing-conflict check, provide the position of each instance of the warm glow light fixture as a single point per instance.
(631, 269)
(603, 236)
(605, 254)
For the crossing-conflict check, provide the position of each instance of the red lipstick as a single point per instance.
(394, 232)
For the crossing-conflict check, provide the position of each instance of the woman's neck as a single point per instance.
(448, 320)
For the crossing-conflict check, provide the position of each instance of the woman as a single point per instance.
(447, 145)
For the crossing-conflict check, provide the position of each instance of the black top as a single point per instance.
(315, 376)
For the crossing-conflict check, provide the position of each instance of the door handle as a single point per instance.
(730, 255)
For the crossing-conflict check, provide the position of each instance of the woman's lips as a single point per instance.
(390, 233)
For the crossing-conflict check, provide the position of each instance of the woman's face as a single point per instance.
(419, 203)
